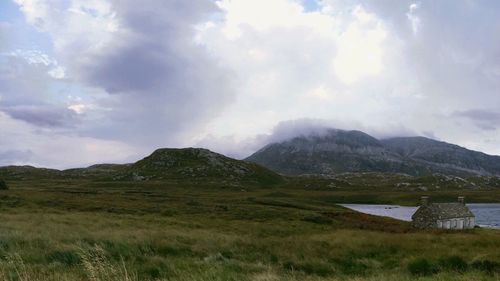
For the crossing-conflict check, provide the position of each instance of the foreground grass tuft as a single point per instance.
(422, 267)
(453, 263)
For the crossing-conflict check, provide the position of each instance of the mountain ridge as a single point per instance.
(326, 153)
(338, 151)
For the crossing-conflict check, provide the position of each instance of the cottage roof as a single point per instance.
(444, 211)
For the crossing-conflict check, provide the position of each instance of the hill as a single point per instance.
(95, 171)
(200, 165)
(28, 172)
(194, 165)
(339, 151)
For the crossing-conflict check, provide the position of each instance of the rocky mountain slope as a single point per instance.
(338, 151)
(444, 155)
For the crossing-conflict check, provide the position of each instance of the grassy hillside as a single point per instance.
(187, 165)
(198, 165)
(159, 230)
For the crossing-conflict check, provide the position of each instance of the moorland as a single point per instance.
(93, 228)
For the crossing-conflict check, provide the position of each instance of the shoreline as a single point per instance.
(404, 213)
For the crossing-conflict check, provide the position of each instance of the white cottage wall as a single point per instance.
(447, 224)
(462, 223)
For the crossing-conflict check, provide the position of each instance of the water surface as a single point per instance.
(487, 214)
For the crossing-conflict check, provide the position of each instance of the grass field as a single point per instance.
(87, 230)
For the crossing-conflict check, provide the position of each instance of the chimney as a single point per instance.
(424, 200)
(461, 200)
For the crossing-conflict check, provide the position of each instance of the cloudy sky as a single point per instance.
(88, 81)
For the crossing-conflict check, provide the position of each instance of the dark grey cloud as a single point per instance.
(9, 157)
(20, 81)
(488, 120)
(3, 35)
(24, 92)
(162, 85)
(43, 115)
(455, 50)
(480, 115)
(144, 85)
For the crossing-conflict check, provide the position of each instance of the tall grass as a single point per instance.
(150, 232)
(98, 268)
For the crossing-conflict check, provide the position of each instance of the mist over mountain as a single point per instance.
(320, 152)
(339, 151)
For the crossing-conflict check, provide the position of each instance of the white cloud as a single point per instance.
(58, 72)
(413, 17)
(243, 147)
(35, 57)
(79, 29)
(77, 108)
(263, 15)
(50, 149)
(360, 48)
(321, 93)
(292, 63)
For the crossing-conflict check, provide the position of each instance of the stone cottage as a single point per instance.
(443, 215)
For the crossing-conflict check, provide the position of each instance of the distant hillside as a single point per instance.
(196, 164)
(28, 172)
(338, 151)
(393, 181)
(95, 171)
(444, 155)
(193, 165)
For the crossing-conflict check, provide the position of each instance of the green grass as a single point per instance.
(88, 230)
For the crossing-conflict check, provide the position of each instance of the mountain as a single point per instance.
(332, 152)
(198, 165)
(444, 155)
(339, 151)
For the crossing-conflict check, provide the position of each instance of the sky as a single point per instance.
(100, 81)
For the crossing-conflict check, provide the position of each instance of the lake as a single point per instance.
(487, 214)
